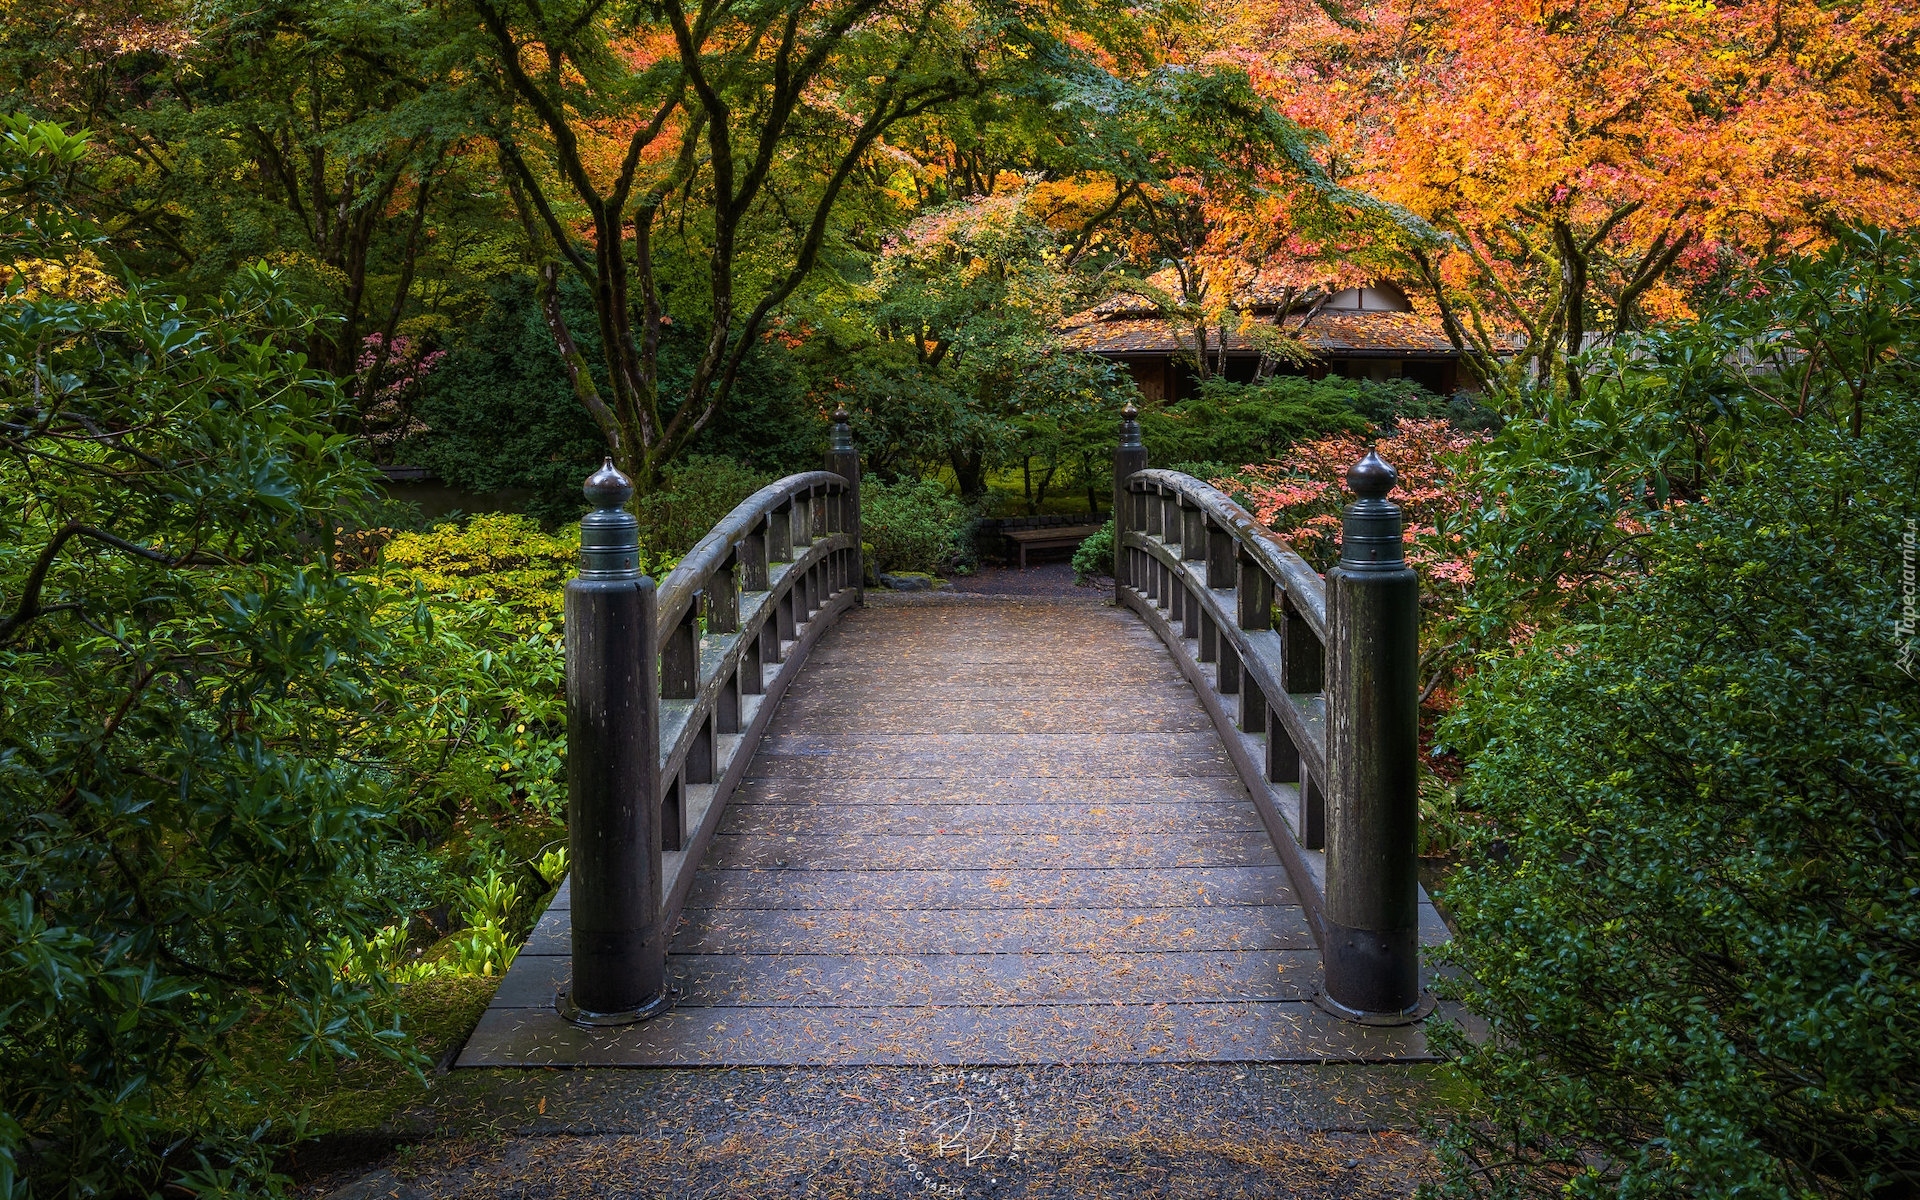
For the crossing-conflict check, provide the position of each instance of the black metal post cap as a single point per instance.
(840, 434)
(608, 488)
(1129, 412)
(1372, 477)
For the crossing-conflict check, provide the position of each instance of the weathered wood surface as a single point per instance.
(997, 832)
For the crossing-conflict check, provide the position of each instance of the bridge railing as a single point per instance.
(1313, 686)
(669, 689)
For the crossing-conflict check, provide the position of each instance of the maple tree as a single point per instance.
(1593, 167)
(757, 125)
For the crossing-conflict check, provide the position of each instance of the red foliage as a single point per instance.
(1302, 497)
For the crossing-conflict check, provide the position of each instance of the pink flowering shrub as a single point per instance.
(1302, 497)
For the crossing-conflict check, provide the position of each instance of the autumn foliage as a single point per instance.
(1596, 166)
(1303, 494)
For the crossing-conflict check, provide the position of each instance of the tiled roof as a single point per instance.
(1329, 333)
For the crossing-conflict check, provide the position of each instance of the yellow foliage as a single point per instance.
(44, 278)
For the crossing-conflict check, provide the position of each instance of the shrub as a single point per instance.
(694, 493)
(1691, 917)
(184, 830)
(914, 525)
(1235, 423)
(503, 559)
(1094, 556)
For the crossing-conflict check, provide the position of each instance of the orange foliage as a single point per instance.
(1665, 141)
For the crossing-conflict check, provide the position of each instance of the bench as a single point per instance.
(1057, 537)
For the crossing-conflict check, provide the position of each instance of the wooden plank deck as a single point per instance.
(994, 832)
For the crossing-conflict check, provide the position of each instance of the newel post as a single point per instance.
(613, 818)
(843, 460)
(1371, 947)
(1129, 456)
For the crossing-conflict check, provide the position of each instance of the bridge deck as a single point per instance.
(976, 832)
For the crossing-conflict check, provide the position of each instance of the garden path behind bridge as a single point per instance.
(983, 830)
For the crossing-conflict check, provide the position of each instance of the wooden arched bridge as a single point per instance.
(806, 829)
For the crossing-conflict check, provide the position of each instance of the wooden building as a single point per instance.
(1367, 332)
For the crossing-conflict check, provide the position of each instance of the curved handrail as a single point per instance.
(1283, 565)
(710, 553)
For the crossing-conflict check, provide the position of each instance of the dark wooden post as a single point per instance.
(1256, 595)
(753, 560)
(1193, 536)
(1372, 949)
(680, 657)
(613, 838)
(1128, 457)
(780, 534)
(1223, 563)
(723, 596)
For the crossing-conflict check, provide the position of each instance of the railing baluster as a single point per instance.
(726, 707)
(1253, 706)
(1193, 538)
(723, 598)
(700, 755)
(1256, 595)
(1209, 639)
(752, 674)
(801, 534)
(673, 813)
(753, 560)
(1223, 563)
(1313, 813)
(780, 534)
(680, 657)
(1302, 659)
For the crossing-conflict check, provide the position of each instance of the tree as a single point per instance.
(1595, 166)
(752, 124)
(320, 137)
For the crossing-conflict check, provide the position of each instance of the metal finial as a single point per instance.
(1370, 530)
(609, 535)
(1372, 477)
(841, 436)
(607, 487)
(1129, 427)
